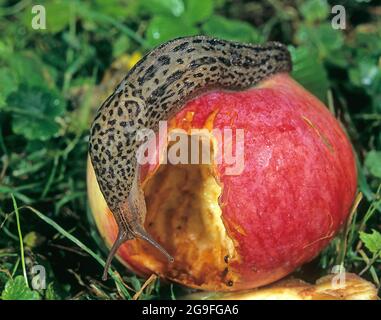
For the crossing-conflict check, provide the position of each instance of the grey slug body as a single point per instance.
(155, 89)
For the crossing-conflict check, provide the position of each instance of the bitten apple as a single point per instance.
(230, 232)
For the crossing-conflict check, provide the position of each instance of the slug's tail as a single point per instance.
(122, 237)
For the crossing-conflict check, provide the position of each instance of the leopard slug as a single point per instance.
(155, 89)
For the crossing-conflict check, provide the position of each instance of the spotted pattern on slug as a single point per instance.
(155, 89)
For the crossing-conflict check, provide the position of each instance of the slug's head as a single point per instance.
(130, 216)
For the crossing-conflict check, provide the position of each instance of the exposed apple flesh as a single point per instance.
(233, 232)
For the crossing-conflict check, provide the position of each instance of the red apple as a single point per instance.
(232, 232)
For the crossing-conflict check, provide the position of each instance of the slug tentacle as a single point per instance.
(155, 89)
(122, 237)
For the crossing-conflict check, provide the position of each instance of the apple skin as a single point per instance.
(295, 192)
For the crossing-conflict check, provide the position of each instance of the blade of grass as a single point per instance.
(372, 209)
(18, 195)
(11, 10)
(3, 148)
(8, 233)
(374, 276)
(66, 199)
(15, 267)
(5, 162)
(362, 182)
(51, 178)
(105, 19)
(8, 255)
(20, 239)
(370, 263)
(345, 239)
(173, 296)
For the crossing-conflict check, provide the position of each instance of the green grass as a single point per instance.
(21, 240)
(51, 84)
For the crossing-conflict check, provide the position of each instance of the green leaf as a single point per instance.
(6, 49)
(373, 163)
(53, 292)
(309, 71)
(29, 69)
(164, 7)
(228, 29)
(34, 112)
(367, 42)
(323, 38)
(197, 11)
(314, 10)
(161, 29)
(135, 282)
(8, 84)
(117, 8)
(365, 73)
(16, 289)
(58, 15)
(372, 241)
